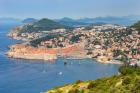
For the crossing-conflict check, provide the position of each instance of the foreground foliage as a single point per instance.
(127, 82)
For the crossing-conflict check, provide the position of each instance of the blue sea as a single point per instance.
(36, 76)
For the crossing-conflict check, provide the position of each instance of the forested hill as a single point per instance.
(137, 26)
(42, 25)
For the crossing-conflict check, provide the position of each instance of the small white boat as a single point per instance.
(60, 73)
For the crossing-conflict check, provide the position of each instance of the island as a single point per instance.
(48, 40)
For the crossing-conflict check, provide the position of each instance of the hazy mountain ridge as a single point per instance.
(125, 20)
(29, 20)
(71, 22)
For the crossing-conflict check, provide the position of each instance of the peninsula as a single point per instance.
(47, 39)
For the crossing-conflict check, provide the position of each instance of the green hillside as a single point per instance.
(42, 25)
(137, 26)
(127, 82)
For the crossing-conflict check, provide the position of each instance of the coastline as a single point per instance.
(28, 52)
(54, 55)
(74, 51)
(111, 62)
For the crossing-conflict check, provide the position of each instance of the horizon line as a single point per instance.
(64, 17)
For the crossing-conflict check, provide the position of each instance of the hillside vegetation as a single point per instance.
(127, 82)
(41, 25)
(137, 26)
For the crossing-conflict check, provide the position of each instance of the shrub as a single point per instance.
(58, 91)
(126, 81)
(74, 90)
(125, 70)
(78, 81)
(91, 85)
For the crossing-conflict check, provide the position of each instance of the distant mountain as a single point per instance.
(71, 22)
(29, 20)
(124, 20)
(41, 25)
(67, 19)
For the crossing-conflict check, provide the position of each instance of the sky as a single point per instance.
(68, 8)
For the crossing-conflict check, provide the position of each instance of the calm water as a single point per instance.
(30, 76)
